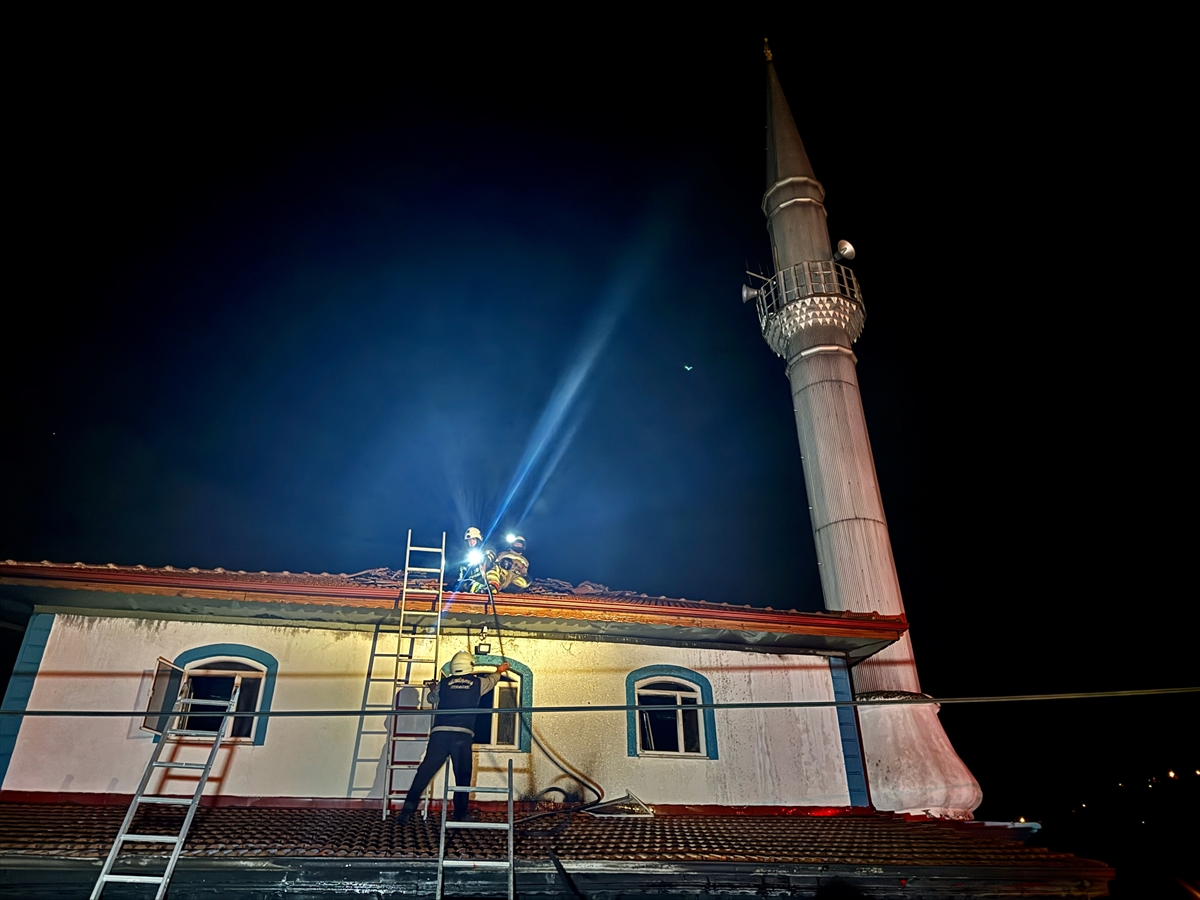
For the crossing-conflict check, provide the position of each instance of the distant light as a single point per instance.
(1171, 774)
(1021, 820)
(510, 537)
(475, 557)
(1084, 805)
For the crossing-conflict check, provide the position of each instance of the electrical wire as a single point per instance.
(784, 704)
(529, 711)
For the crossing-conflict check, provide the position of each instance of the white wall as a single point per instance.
(775, 757)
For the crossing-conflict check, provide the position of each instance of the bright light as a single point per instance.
(1170, 774)
(475, 557)
(510, 537)
(1021, 820)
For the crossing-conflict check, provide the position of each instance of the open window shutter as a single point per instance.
(164, 691)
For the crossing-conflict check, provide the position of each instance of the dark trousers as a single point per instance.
(443, 745)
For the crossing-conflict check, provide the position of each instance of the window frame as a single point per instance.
(513, 680)
(239, 653)
(708, 721)
(683, 689)
(205, 670)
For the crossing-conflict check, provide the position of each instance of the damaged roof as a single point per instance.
(548, 607)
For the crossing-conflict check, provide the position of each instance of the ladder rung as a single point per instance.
(178, 765)
(414, 590)
(152, 838)
(170, 801)
(473, 863)
(403, 765)
(135, 879)
(190, 700)
(191, 732)
(426, 549)
(423, 568)
(493, 825)
(472, 789)
(413, 736)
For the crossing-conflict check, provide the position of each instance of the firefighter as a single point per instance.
(480, 558)
(511, 569)
(452, 735)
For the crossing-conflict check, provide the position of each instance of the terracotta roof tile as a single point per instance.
(62, 830)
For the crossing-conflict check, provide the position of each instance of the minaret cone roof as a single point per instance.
(786, 157)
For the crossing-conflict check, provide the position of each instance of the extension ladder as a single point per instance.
(444, 863)
(396, 678)
(184, 706)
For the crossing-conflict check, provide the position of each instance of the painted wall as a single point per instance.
(772, 757)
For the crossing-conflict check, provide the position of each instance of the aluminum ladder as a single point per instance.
(184, 706)
(393, 666)
(444, 863)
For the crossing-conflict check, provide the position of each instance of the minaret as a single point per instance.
(811, 313)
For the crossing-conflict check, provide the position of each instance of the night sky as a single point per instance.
(274, 302)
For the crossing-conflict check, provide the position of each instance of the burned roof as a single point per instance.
(549, 606)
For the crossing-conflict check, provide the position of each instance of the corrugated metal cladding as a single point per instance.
(891, 669)
(857, 567)
(834, 441)
(858, 571)
(856, 772)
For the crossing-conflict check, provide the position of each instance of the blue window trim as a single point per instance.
(856, 773)
(523, 738)
(240, 651)
(706, 696)
(20, 686)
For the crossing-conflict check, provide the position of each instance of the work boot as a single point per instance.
(406, 813)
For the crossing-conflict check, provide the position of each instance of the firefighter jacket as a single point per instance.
(460, 692)
(511, 570)
(470, 578)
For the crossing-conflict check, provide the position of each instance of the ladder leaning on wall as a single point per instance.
(396, 678)
(184, 707)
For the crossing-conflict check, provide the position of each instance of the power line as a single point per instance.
(786, 704)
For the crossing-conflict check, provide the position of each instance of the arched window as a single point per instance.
(209, 673)
(661, 722)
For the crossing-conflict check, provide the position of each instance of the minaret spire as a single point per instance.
(794, 201)
(811, 312)
(786, 156)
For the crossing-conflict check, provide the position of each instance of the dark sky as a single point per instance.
(274, 302)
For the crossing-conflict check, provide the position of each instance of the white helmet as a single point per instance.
(462, 663)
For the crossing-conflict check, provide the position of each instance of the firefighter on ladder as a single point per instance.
(511, 569)
(452, 734)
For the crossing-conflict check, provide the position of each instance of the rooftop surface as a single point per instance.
(548, 606)
(879, 845)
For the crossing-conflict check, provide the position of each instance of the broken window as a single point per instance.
(665, 723)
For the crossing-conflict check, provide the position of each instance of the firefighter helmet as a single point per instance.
(473, 534)
(518, 543)
(462, 663)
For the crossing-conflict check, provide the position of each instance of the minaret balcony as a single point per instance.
(808, 294)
